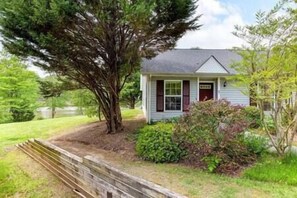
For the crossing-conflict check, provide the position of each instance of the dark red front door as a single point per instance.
(205, 91)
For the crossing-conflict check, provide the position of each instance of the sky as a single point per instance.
(218, 20)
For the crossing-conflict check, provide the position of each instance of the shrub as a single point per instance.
(21, 115)
(253, 116)
(154, 143)
(172, 120)
(256, 144)
(212, 162)
(211, 133)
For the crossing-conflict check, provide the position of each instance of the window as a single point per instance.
(173, 95)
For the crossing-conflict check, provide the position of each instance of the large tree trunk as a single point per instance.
(114, 117)
(109, 103)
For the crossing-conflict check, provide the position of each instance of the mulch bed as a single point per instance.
(92, 137)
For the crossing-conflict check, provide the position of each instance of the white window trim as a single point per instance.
(181, 96)
(219, 88)
(214, 88)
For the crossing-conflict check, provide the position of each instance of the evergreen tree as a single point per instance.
(96, 43)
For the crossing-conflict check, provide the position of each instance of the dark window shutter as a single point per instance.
(160, 95)
(186, 95)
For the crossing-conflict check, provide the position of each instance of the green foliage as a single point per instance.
(172, 120)
(155, 143)
(274, 169)
(253, 115)
(212, 162)
(13, 133)
(5, 114)
(17, 181)
(18, 91)
(60, 101)
(86, 101)
(270, 125)
(268, 69)
(131, 113)
(289, 114)
(99, 44)
(22, 114)
(131, 93)
(211, 134)
(54, 91)
(256, 144)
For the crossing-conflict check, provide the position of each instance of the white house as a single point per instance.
(174, 79)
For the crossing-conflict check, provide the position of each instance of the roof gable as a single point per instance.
(212, 65)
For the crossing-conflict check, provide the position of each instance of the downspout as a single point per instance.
(149, 98)
(198, 87)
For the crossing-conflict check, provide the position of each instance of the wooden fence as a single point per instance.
(91, 177)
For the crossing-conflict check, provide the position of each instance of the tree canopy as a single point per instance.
(269, 70)
(97, 43)
(19, 91)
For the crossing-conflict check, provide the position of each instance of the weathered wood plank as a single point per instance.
(94, 177)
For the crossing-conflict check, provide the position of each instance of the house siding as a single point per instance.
(169, 114)
(230, 93)
(233, 94)
(212, 66)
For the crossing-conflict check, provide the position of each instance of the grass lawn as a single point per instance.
(13, 133)
(275, 169)
(19, 175)
(131, 113)
(22, 177)
(196, 183)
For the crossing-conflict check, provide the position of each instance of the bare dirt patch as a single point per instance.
(93, 139)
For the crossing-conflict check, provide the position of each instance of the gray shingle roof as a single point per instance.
(187, 61)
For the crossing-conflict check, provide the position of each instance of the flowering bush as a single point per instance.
(211, 133)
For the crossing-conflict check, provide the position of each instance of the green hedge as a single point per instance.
(154, 143)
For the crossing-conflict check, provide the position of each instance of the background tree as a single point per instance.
(18, 91)
(131, 93)
(86, 103)
(269, 70)
(97, 43)
(53, 91)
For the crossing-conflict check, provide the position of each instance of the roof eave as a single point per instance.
(187, 74)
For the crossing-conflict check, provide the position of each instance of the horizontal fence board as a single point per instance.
(90, 176)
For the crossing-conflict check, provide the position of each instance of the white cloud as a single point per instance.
(218, 21)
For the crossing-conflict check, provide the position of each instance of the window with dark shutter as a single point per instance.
(173, 95)
(186, 95)
(160, 95)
